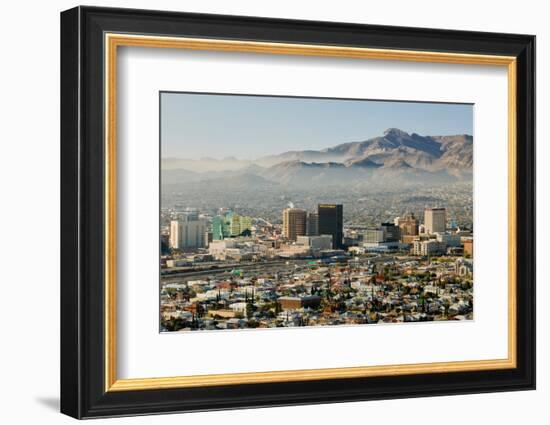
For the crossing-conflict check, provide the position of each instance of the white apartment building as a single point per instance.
(188, 231)
(426, 247)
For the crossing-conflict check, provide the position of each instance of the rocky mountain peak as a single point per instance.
(395, 132)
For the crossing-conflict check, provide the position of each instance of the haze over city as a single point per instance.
(311, 215)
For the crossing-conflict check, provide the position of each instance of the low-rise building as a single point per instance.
(468, 244)
(294, 250)
(315, 242)
(427, 247)
(177, 263)
(236, 248)
(295, 303)
(464, 267)
(450, 240)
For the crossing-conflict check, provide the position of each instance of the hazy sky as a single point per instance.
(247, 127)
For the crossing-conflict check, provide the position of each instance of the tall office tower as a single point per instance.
(208, 237)
(294, 223)
(245, 225)
(230, 225)
(435, 220)
(331, 222)
(235, 226)
(239, 224)
(391, 232)
(312, 226)
(218, 228)
(408, 224)
(164, 243)
(187, 231)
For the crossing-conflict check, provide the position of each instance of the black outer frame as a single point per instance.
(82, 212)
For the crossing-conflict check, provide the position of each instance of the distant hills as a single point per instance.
(395, 155)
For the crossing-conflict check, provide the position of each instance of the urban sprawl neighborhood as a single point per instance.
(279, 212)
(229, 270)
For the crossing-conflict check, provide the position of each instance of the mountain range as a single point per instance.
(394, 155)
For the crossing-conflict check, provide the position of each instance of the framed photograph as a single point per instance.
(261, 212)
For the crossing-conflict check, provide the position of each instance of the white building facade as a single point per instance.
(188, 231)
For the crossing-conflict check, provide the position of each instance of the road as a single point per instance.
(263, 266)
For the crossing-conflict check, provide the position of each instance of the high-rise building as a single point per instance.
(230, 225)
(408, 224)
(391, 232)
(235, 225)
(331, 222)
(294, 223)
(435, 220)
(187, 231)
(207, 238)
(312, 225)
(373, 236)
(164, 243)
(245, 224)
(217, 228)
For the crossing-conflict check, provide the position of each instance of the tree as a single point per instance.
(446, 306)
(249, 310)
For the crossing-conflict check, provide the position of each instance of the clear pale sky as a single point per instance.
(247, 127)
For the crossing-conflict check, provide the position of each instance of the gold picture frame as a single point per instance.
(114, 41)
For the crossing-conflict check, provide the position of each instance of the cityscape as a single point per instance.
(369, 232)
